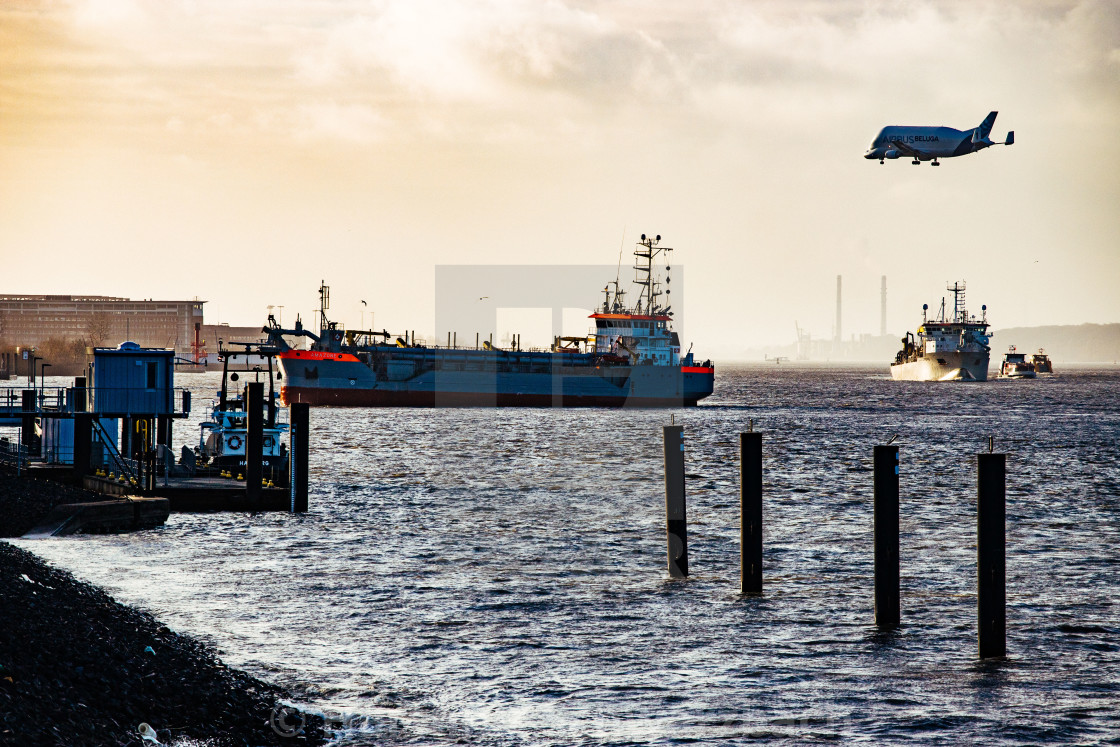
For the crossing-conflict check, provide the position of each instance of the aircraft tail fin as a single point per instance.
(1010, 138)
(985, 127)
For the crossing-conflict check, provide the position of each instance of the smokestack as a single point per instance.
(883, 307)
(838, 330)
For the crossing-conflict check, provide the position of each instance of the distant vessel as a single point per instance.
(633, 359)
(1042, 363)
(946, 349)
(1016, 366)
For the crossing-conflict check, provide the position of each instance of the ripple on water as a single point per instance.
(498, 576)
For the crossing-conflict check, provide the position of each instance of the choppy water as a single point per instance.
(498, 576)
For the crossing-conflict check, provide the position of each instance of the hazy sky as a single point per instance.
(241, 150)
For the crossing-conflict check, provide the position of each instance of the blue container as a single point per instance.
(131, 380)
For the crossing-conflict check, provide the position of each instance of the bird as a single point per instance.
(482, 297)
(364, 303)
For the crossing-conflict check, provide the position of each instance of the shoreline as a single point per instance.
(78, 667)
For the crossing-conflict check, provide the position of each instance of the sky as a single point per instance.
(241, 151)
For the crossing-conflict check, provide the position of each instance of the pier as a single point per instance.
(110, 433)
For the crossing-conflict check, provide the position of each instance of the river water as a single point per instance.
(498, 576)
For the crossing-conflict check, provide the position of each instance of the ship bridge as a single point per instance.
(645, 338)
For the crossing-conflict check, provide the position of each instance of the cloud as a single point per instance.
(469, 69)
(354, 123)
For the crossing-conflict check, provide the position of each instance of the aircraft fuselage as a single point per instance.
(930, 142)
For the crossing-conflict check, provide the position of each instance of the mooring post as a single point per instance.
(750, 512)
(300, 440)
(676, 526)
(254, 441)
(888, 612)
(991, 564)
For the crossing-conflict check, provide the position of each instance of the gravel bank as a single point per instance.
(77, 668)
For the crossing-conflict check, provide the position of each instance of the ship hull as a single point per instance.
(351, 383)
(943, 367)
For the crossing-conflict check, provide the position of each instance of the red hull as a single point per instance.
(381, 398)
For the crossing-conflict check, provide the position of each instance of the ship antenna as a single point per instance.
(618, 270)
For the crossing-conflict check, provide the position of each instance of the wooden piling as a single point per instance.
(79, 399)
(83, 443)
(750, 512)
(28, 409)
(888, 612)
(254, 440)
(991, 565)
(300, 440)
(163, 429)
(676, 525)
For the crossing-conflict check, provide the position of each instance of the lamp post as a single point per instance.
(34, 362)
(43, 382)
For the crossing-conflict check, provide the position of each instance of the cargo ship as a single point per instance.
(633, 359)
(953, 348)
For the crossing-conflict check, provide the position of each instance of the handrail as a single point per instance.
(125, 466)
(14, 454)
(100, 401)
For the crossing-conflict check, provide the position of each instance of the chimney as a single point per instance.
(883, 307)
(838, 329)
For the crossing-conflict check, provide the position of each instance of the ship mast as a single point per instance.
(650, 291)
(960, 315)
(324, 303)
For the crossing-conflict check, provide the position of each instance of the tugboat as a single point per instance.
(1042, 363)
(1016, 366)
(946, 349)
(222, 442)
(633, 359)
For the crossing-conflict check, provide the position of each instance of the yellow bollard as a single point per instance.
(240, 476)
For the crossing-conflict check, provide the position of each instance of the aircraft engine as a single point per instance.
(891, 154)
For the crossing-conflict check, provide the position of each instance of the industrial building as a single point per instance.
(30, 320)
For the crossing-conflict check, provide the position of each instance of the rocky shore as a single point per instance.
(78, 668)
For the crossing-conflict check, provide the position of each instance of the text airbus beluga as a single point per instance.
(931, 143)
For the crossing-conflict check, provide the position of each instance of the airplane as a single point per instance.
(931, 143)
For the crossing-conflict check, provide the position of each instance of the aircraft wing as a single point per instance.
(905, 149)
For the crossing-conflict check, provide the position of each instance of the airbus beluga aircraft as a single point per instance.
(931, 143)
